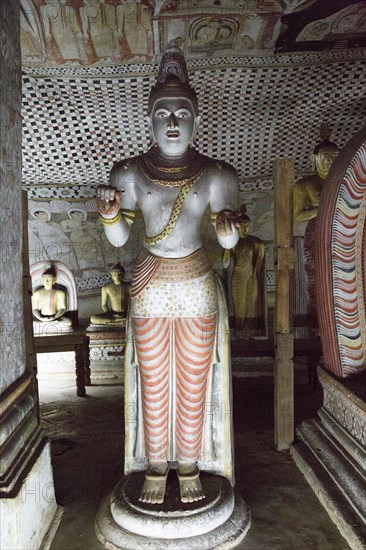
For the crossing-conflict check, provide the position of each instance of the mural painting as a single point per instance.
(229, 27)
(71, 233)
(86, 32)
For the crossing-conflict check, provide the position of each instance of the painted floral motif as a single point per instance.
(171, 299)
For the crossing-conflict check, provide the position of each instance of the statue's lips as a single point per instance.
(173, 134)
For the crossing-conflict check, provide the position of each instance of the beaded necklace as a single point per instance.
(162, 171)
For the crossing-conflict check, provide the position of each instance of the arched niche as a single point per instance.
(340, 256)
(64, 278)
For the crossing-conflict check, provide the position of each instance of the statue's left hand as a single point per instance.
(226, 221)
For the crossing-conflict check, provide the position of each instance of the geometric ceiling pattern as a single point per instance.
(267, 74)
(78, 121)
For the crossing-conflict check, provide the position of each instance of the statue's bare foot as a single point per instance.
(153, 490)
(189, 483)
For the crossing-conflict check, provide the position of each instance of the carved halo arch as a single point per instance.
(340, 261)
(64, 277)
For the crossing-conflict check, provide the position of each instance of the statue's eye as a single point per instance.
(162, 114)
(183, 113)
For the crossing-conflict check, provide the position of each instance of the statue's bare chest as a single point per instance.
(154, 198)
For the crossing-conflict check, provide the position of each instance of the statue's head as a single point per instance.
(324, 153)
(244, 227)
(41, 214)
(117, 274)
(173, 110)
(77, 214)
(48, 278)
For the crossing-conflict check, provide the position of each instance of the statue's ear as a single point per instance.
(148, 122)
(197, 121)
(313, 157)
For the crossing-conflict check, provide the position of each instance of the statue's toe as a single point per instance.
(190, 487)
(153, 490)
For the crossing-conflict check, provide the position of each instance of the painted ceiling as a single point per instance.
(267, 74)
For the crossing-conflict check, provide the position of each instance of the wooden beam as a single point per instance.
(283, 174)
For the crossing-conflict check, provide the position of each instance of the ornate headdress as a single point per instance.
(172, 79)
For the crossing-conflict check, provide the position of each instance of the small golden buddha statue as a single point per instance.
(306, 197)
(115, 298)
(247, 281)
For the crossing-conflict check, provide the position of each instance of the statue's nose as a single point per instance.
(173, 123)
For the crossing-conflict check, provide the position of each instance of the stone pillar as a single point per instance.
(283, 180)
(28, 505)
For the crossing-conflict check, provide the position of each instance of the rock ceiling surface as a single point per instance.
(267, 73)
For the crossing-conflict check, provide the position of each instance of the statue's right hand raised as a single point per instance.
(108, 201)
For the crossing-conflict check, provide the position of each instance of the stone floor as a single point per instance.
(87, 453)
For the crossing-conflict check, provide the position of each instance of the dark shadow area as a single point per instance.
(88, 448)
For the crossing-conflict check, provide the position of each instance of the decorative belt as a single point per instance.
(168, 270)
(175, 270)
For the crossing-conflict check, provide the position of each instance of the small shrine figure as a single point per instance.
(306, 198)
(49, 305)
(247, 281)
(115, 299)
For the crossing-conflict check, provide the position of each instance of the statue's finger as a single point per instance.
(227, 226)
(101, 191)
(110, 194)
(102, 194)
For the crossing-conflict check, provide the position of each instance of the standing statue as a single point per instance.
(84, 239)
(247, 281)
(179, 365)
(48, 241)
(99, 24)
(63, 34)
(306, 198)
(134, 24)
(49, 304)
(115, 297)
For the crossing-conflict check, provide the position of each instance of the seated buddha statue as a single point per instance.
(49, 306)
(115, 298)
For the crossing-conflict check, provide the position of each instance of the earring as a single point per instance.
(193, 140)
(152, 141)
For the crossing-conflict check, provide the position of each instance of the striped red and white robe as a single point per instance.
(177, 366)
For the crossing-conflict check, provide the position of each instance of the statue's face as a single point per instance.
(173, 124)
(244, 230)
(42, 216)
(116, 277)
(48, 281)
(324, 160)
(78, 216)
